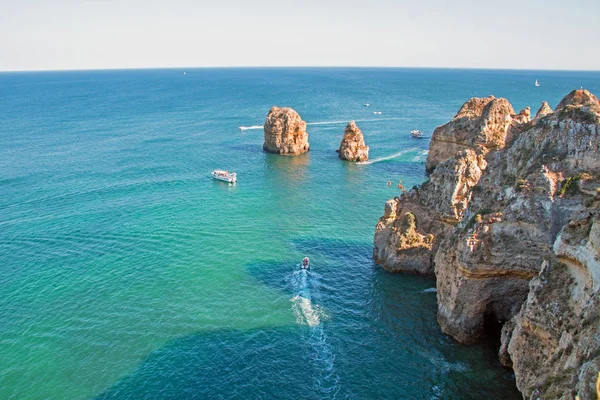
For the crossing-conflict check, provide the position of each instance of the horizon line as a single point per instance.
(291, 67)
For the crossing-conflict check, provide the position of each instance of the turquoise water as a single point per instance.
(128, 273)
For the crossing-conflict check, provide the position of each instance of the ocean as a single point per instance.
(127, 272)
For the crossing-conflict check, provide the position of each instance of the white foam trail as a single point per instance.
(246, 128)
(430, 290)
(321, 354)
(356, 120)
(326, 382)
(304, 311)
(395, 155)
(252, 127)
(421, 156)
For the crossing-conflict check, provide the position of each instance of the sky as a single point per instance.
(102, 34)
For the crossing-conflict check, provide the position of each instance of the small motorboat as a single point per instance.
(224, 176)
(367, 104)
(377, 112)
(416, 133)
(305, 263)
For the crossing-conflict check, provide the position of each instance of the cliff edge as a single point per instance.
(508, 224)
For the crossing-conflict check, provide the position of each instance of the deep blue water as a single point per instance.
(128, 273)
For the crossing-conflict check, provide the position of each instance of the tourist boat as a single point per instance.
(305, 263)
(224, 176)
(537, 83)
(416, 133)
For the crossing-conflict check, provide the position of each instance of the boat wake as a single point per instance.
(421, 156)
(390, 157)
(356, 120)
(320, 353)
(252, 127)
(305, 311)
(246, 128)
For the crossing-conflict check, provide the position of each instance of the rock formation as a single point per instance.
(509, 223)
(543, 111)
(285, 132)
(352, 147)
(481, 124)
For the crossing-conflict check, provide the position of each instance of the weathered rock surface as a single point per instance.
(285, 132)
(543, 111)
(482, 124)
(437, 207)
(507, 198)
(352, 147)
(553, 343)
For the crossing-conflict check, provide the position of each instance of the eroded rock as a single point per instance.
(352, 147)
(285, 132)
(511, 216)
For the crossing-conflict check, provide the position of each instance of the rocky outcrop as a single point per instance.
(543, 111)
(352, 147)
(285, 132)
(437, 207)
(508, 223)
(482, 124)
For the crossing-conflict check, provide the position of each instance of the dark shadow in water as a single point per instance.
(269, 363)
(381, 341)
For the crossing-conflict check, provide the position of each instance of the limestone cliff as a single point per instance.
(482, 124)
(285, 132)
(553, 342)
(352, 147)
(494, 213)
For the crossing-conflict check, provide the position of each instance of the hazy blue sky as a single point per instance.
(80, 34)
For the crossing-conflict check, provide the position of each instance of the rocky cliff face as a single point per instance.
(352, 147)
(508, 223)
(553, 343)
(482, 124)
(285, 132)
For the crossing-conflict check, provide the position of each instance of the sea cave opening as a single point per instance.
(492, 329)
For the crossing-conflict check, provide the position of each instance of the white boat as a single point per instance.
(224, 176)
(367, 104)
(537, 83)
(377, 112)
(305, 263)
(416, 133)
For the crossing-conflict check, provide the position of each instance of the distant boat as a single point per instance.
(184, 72)
(224, 176)
(537, 83)
(367, 104)
(377, 112)
(416, 134)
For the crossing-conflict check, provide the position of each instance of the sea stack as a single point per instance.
(285, 132)
(352, 147)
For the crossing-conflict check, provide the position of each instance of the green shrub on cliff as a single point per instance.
(570, 186)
